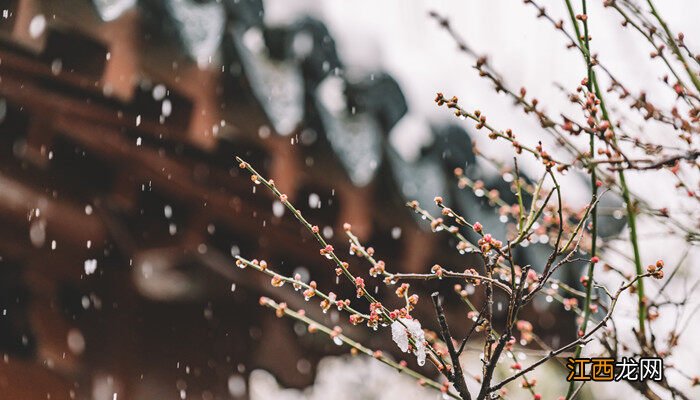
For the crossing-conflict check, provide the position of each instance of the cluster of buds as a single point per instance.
(446, 211)
(340, 304)
(531, 276)
(487, 242)
(570, 303)
(356, 319)
(592, 102)
(437, 270)
(297, 282)
(277, 281)
(451, 103)
(570, 127)
(326, 303)
(327, 251)
(482, 119)
(339, 270)
(546, 158)
(656, 270)
(402, 290)
(280, 311)
(375, 310)
(400, 313)
(311, 291)
(473, 272)
(360, 285)
(525, 329)
(377, 269)
(517, 147)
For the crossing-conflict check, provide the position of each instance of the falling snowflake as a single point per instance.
(90, 266)
(404, 328)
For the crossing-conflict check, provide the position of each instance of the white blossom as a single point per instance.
(404, 328)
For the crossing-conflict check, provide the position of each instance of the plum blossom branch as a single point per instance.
(281, 310)
(456, 376)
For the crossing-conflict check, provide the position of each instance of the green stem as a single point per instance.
(631, 220)
(594, 195)
(631, 212)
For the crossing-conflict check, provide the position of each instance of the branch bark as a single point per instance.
(456, 376)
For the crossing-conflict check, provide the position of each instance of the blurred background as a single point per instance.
(122, 206)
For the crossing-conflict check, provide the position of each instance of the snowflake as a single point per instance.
(90, 266)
